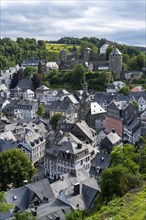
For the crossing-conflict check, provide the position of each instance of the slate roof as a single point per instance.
(70, 137)
(101, 160)
(42, 88)
(42, 189)
(52, 210)
(108, 97)
(59, 105)
(137, 95)
(111, 86)
(22, 196)
(64, 191)
(17, 88)
(72, 147)
(25, 84)
(84, 200)
(8, 135)
(72, 99)
(89, 132)
(89, 190)
(113, 137)
(32, 62)
(69, 179)
(121, 105)
(115, 52)
(3, 122)
(33, 104)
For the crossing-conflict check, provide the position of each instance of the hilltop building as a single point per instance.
(115, 63)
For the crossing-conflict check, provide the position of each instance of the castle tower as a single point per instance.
(115, 63)
(86, 54)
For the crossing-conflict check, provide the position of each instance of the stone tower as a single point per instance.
(115, 63)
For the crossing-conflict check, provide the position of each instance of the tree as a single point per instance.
(136, 104)
(114, 181)
(77, 215)
(108, 51)
(36, 80)
(40, 69)
(142, 160)
(54, 120)
(16, 168)
(126, 58)
(125, 155)
(24, 216)
(98, 81)
(4, 207)
(29, 71)
(40, 110)
(16, 77)
(78, 76)
(125, 90)
(85, 44)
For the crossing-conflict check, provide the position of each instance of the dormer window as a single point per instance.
(37, 141)
(41, 138)
(32, 144)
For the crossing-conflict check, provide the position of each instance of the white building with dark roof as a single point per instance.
(28, 95)
(104, 48)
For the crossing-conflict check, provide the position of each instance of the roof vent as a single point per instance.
(102, 159)
(14, 197)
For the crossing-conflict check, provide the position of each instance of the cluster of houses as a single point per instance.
(75, 154)
(78, 150)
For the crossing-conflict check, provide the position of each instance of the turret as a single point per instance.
(115, 63)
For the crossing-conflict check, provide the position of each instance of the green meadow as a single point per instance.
(58, 47)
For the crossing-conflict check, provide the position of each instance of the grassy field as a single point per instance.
(58, 47)
(130, 207)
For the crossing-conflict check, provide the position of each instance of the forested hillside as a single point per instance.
(132, 207)
(14, 52)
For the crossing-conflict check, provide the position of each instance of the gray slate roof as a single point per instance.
(25, 193)
(115, 52)
(25, 84)
(53, 210)
(59, 105)
(108, 97)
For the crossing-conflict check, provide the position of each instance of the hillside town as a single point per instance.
(69, 153)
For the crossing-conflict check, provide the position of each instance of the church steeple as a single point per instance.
(85, 90)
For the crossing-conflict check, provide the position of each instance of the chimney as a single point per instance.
(25, 182)
(79, 146)
(113, 130)
(76, 189)
(62, 178)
